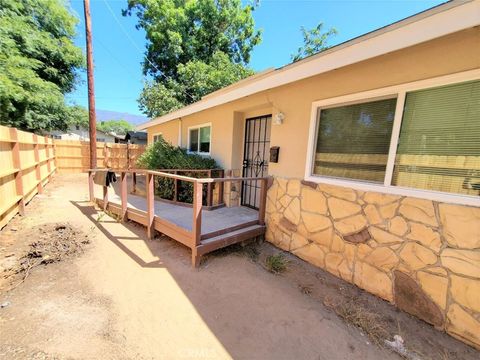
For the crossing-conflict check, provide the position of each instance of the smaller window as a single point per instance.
(199, 139)
(157, 137)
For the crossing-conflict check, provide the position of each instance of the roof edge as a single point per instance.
(432, 23)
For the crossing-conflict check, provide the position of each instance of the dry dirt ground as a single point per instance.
(116, 295)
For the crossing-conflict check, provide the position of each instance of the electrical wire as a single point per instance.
(138, 48)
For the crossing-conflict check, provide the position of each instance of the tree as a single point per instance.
(209, 39)
(38, 63)
(179, 31)
(195, 80)
(77, 115)
(117, 126)
(314, 41)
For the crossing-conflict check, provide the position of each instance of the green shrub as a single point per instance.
(163, 155)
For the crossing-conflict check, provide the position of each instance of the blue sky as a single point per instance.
(118, 73)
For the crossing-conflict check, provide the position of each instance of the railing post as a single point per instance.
(36, 156)
(209, 190)
(220, 189)
(123, 194)
(134, 182)
(197, 212)
(175, 188)
(150, 206)
(197, 221)
(90, 186)
(17, 165)
(263, 201)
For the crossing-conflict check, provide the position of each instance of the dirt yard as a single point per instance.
(77, 284)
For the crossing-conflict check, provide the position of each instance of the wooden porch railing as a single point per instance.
(193, 238)
(208, 172)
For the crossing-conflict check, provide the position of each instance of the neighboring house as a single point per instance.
(378, 168)
(77, 132)
(132, 137)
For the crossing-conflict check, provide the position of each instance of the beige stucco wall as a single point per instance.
(169, 132)
(447, 55)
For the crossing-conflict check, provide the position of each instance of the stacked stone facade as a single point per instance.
(420, 255)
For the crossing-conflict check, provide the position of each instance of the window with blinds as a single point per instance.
(439, 143)
(353, 140)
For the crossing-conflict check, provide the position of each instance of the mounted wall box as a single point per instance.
(274, 151)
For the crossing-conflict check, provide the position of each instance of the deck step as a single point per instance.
(230, 238)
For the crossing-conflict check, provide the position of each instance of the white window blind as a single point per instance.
(439, 143)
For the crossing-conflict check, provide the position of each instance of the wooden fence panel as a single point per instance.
(73, 156)
(27, 162)
(26, 165)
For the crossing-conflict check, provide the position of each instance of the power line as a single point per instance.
(137, 47)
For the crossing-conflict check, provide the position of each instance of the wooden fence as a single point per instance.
(27, 162)
(73, 156)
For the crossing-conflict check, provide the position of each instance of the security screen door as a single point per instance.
(255, 157)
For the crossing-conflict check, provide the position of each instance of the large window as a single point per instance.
(199, 139)
(353, 140)
(422, 135)
(439, 143)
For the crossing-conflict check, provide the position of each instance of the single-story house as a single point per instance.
(132, 137)
(374, 150)
(81, 133)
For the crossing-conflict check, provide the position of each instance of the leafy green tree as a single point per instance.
(117, 126)
(38, 63)
(195, 80)
(178, 31)
(77, 115)
(209, 40)
(314, 41)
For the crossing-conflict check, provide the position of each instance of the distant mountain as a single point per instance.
(103, 115)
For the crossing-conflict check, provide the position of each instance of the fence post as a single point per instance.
(54, 150)
(17, 165)
(123, 194)
(209, 190)
(105, 155)
(128, 157)
(263, 201)
(36, 156)
(47, 152)
(150, 206)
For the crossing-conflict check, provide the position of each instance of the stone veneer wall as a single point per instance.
(421, 255)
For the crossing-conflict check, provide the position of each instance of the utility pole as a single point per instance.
(91, 91)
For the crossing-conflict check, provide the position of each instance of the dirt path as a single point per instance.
(127, 297)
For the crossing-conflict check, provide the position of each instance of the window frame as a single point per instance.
(188, 138)
(156, 134)
(398, 91)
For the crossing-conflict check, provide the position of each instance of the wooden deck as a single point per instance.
(202, 231)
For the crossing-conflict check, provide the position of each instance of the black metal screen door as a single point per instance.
(255, 157)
